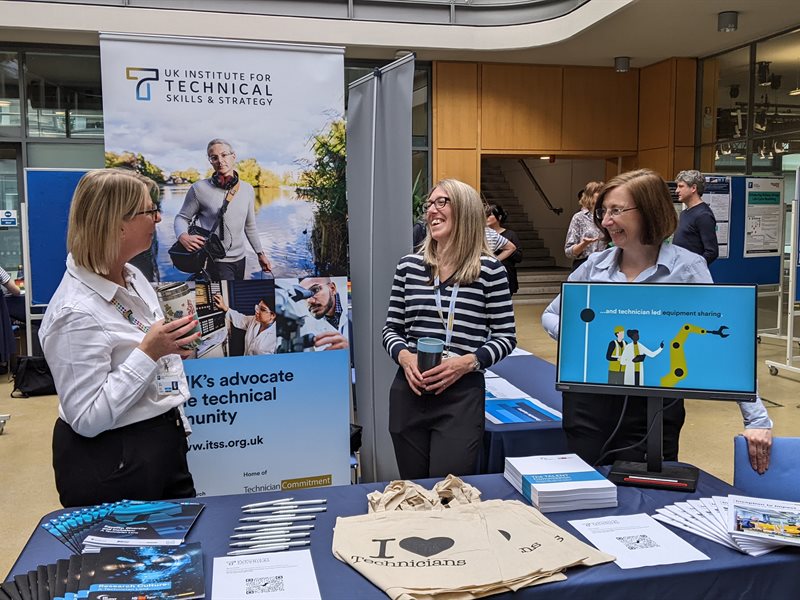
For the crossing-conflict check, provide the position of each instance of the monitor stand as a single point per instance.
(653, 474)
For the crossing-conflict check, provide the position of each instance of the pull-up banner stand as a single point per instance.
(269, 408)
(379, 202)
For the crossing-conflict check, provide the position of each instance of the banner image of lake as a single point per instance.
(284, 223)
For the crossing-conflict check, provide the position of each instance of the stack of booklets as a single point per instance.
(753, 526)
(136, 573)
(559, 482)
(125, 523)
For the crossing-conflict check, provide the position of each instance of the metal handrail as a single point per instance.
(529, 173)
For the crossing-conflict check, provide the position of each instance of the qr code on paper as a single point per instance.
(637, 542)
(263, 585)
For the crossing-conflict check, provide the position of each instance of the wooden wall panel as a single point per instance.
(685, 99)
(658, 160)
(601, 109)
(707, 159)
(520, 107)
(683, 159)
(458, 164)
(656, 93)
(455, 104)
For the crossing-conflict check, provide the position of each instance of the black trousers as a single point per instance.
(589, 420)
(226, 271)
(141, 461)
(435, 436)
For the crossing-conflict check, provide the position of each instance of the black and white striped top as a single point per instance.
(484, 316)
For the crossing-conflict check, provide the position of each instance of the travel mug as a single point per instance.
(178, 300)
(429, 353)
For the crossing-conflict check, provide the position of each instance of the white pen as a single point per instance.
(278, 518)
(264, 526)
(297, 511)
(267, 548)
(266, 536)
(252, 508)
(256, 529)
(276, 541)
(267, 503)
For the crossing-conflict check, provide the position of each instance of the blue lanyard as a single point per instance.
(451, 312)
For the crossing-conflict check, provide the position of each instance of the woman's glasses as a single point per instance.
(437, 202)
(153, 212)
(612, 212)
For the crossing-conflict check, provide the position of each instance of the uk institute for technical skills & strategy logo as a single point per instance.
(142, 77)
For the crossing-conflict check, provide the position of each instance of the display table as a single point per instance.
(727, 575)
(537, 378)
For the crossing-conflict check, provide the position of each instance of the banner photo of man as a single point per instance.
(249, 155)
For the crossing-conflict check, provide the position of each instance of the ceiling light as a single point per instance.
(727, 21)
(7, 103)
(795, 91)
(622, 64)
(544, 158)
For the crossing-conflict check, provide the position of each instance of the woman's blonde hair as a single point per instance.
(468, 238)
(102, 201)
(587, 196)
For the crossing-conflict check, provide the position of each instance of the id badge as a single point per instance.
(169, 376)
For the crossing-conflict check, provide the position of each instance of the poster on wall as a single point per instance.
(246, 141)
(717, 194)
(763, 225)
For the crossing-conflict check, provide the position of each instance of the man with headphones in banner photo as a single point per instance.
(221, 206)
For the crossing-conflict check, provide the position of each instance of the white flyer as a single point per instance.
(275, 575)
(637, 541)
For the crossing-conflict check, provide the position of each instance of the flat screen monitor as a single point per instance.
(611, 335)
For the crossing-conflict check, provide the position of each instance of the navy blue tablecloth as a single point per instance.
(536, 378)
(728, 575)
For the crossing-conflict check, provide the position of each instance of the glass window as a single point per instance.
(10, 237)
(726, 81)
(419, 109)
(10, 117)
(777, 97)
(64, 95)
(65, 156)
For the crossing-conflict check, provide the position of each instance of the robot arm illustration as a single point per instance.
(677, 356)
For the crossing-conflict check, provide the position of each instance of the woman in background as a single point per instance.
(583, 236)
(455, 291)
(634, 211)
(496, 219)
(119, 434)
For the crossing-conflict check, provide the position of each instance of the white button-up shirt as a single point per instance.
(103, 380)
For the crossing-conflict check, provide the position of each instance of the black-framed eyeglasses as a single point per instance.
(600, 213)
(437, 202)
(152, 212)
(216, 158)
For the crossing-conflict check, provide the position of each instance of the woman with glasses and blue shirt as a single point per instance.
(120, 432)
(453, 290)
(634, 211)
(260, 331)
(202, 206)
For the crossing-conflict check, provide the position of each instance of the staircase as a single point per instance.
(539, 277)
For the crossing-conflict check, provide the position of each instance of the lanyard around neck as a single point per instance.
(451, 312)
(128, 314)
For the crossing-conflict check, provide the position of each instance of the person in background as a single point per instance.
(203, 203)
(697, 227)
(9, 287)
(634, 211)
(583, 236)
(120, 433)
(495, 219)
(457, 292)
(260, 332)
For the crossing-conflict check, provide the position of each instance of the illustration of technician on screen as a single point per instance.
(633, 356)
(616, 371)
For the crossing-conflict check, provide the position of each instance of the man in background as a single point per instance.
(697, 228)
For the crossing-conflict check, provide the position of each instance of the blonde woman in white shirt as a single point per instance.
(259, 336)
(119, 434)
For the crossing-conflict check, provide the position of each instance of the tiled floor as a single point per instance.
(26, 480)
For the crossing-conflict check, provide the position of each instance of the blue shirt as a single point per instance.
(674, 265)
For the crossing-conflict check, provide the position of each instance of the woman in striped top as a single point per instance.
(455, 291)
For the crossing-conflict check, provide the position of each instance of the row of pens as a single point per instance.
(275, 525)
